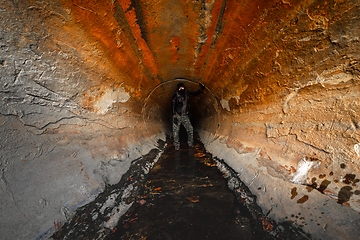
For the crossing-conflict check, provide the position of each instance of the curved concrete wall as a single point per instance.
(86, 86)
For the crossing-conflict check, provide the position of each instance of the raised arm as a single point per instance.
(202, 88)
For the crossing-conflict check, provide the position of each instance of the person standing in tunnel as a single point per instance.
(180, 113)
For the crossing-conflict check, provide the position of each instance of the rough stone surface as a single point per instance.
(280, 199)
(85, 88)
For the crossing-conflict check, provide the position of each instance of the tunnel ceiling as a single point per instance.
(247, 52)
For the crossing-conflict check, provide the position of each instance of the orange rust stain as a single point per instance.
(246, 30)
(103, 32)
(106, 49)
(175, 46)
(148, 56)
(236, 19)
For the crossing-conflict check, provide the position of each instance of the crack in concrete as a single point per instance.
(52, 122)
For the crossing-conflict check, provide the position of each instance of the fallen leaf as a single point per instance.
(193, 199)
(267, 226)
(199, 155)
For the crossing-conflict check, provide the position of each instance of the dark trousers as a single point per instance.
(185, 121)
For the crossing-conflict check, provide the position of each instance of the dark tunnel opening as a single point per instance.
(157, 108)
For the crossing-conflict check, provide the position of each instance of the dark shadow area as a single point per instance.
(204, 108)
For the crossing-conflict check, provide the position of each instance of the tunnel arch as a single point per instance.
(156, 110)
(288, 71)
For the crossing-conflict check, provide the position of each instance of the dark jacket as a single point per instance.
(180, 101)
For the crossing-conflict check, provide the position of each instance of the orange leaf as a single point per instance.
(193, 199)
(158, 189)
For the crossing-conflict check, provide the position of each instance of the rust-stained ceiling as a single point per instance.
(248, 50)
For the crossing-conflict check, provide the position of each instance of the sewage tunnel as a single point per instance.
(85, 88)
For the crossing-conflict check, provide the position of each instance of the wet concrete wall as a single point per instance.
(86, 87)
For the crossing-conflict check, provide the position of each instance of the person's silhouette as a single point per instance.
(180, 113)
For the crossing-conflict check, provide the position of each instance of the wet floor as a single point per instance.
(184, 196)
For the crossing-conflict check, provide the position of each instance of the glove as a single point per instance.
(202, 86)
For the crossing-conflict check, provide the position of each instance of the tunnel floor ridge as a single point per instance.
(187, 194)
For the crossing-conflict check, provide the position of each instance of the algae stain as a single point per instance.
(309, 189)
(349, 178)
(303, 199)
(313, 182)
(312, 186)
(324, 184)
(344, 194)
(293, 193)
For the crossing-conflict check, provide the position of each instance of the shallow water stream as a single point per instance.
(184, 196)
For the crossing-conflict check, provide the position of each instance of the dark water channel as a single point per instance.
(184, 196)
